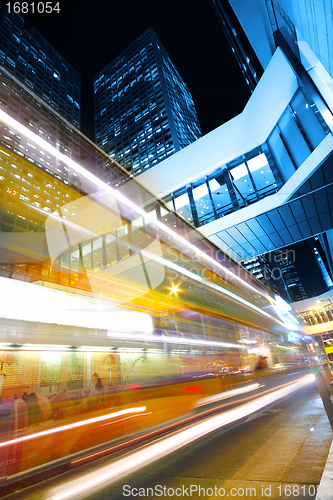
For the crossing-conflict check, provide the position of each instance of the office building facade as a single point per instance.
(267, 270)
(144, 111)
(303, 27)
(33, 182)
(280, 270)
(28, 56)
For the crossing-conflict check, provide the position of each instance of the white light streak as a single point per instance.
(21, 129)
(288, 348)
(60, 219)
(94, 420)
(209, 284)
(56, 306)
(226, 395)
(174, 340)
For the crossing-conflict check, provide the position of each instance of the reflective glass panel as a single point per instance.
(203, 204)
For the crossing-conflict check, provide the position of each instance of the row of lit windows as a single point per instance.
(132, 137)
(152, 126)
(137, 146)
(33, 154)
(42, 122)
(70, 109)
(25, 182)
(26, 191)
(42, 79)
(143, 93)
(38, 66)
(119, 85)
(42, 70)
(130, 60)
(29, 67)
(118, 102)
(21, 35)
(147, 110)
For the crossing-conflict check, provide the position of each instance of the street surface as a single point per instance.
(279, 453)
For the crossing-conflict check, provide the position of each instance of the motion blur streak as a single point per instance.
(98, 453)
(72, 426)
(227, 394)
(174, 340)
(129, 464)
(127, 418)
(214, 286)
(8, 120)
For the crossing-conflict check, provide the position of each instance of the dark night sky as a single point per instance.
(90, 34)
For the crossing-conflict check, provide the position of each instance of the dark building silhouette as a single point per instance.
(240, 46)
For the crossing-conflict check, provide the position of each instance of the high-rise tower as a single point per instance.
(144, 111)
(26, 55)
(289, 273)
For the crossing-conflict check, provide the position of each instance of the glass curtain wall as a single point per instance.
(258, 173)
(235, 185)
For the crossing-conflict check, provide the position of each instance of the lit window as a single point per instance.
(257, 162)
(181, 201)
(200, 191)
(238, 172)
(214, 185)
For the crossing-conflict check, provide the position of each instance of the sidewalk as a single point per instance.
(325, 490)
(291, 461)
(324, 380)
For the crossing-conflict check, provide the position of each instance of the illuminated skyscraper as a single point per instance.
(144, 111)
(284, 258)
(267, 270)
(31, 59)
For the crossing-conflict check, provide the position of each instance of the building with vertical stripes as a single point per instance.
(144, 111)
